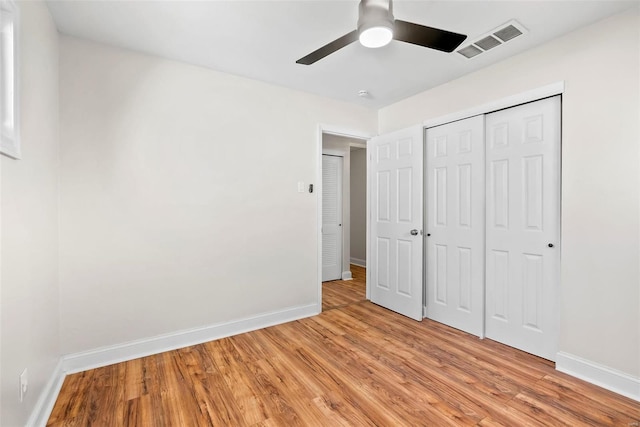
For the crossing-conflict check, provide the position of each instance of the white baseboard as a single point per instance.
(359, 262)
(105, 356)
(346, 275)
(46, 400)
(600, 375)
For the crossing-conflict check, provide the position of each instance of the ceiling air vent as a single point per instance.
(488, 43)
(496, 37)
(507, 33)
(470, 51)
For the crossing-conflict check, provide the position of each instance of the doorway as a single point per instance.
(341, 229)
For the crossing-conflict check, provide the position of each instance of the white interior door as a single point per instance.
(523, 226)
(331, 217)
(455, 224)
(395, 255)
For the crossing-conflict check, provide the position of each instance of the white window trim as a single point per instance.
(10, 140)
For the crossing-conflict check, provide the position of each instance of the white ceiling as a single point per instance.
(263, 39)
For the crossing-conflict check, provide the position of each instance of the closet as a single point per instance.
(492, 226)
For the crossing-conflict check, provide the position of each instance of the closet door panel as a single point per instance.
(455, 224)
(523, 226)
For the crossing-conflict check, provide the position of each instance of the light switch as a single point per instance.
(300, 186)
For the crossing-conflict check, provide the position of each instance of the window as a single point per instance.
(10, 141)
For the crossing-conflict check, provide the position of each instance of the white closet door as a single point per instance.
(395, 256)
(523, 217)
(331, 218)
(455, 224)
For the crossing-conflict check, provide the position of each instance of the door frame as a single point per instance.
(537, 94)
(348, 133)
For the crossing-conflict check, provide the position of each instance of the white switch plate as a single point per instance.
(300, 186)
(24, 383)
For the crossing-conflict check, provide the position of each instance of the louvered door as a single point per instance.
(331, 217)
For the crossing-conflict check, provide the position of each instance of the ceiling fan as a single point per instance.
(377, 27)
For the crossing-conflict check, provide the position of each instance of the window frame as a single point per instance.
(10, 137)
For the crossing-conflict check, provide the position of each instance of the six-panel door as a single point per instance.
(396, 210)
(455, 224)
(523, 226)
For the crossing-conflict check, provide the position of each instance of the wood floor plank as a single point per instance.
(327, 366)
(339, 293)
(241, 385)
(332, 395)
(75, 405)
(356, 364)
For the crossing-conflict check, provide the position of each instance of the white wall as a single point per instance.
(29, 213)
(179, 202)
(359, 205)
(600, 277)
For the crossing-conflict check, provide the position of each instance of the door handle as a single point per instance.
(414, 232)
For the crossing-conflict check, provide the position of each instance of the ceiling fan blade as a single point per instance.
(329, 48)
(433, 38)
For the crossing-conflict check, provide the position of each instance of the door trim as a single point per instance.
(536, 94)
(339, 131)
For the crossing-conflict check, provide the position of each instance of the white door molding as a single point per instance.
(339, 131)
(536, 94)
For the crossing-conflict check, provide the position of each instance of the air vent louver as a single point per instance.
(496, 37)
(488, 43)
(507, 33)
(470, 51)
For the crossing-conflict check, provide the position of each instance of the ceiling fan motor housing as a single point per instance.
(375, 13)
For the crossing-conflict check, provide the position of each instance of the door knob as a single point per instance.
(550, 245)
(414, 232)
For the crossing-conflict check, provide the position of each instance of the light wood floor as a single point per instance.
(339, 293)
(356, 364)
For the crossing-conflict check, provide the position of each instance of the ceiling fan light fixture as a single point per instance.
(375, 23)
(376, 36)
